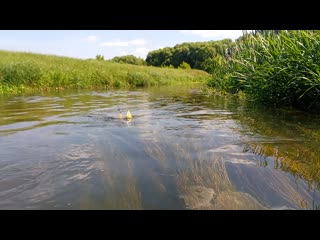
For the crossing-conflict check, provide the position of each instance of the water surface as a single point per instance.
(183, 149)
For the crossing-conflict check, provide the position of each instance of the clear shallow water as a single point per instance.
(182, 150)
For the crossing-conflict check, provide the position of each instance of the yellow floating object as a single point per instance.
(129, 116)
(120, 115)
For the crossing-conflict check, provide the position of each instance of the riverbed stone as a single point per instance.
(230, 200)
(198, 197)
(203, 198)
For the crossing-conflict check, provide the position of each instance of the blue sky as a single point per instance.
(109, 43)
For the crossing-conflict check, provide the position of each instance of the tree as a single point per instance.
(129, 59)
(198, 55)
(161, 57)
(100, 57)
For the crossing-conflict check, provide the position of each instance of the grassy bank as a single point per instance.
(276, 69)
(23, 72)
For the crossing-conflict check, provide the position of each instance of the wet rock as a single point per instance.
(229, 200)
(202, 198)
(198, 197)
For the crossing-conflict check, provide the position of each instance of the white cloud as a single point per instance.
(90, 39)
(142, 52)
(217, 34)
(138, 42)
(117, 43)
(123, 53)
(114, 44)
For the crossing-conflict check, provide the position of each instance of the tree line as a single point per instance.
(197, 55)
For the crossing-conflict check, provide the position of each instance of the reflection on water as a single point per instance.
(182, 150)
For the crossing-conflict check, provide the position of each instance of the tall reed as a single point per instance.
(277, 69)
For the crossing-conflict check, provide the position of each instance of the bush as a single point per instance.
(184, 65)
(138, 79)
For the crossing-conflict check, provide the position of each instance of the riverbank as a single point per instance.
(26, 72)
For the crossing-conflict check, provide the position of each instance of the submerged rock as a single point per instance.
(198, 197)
(229, 200)
(202, 198)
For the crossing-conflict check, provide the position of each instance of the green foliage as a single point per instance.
(100, 58)
(118, 84)
(139, 79)
(129, 59)
(199, 55)
(21, 72)
(161, 57)
(278, 69)
(184, 65)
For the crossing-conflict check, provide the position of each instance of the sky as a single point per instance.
(86, 44)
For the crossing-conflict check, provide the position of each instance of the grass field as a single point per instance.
(22, 72)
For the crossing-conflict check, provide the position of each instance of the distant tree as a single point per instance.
(100, 57)
(161, 57)
(129, 59)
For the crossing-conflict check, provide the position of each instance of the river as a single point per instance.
(183, 149)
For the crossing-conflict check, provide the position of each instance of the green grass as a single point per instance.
(24, 72)
(281, 70)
